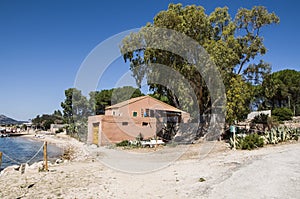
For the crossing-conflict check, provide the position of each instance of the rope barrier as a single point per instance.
(13, 160)
(36, 154)
(19, 163)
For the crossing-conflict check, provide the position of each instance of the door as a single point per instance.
(96, 133)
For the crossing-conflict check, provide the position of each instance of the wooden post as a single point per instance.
(45, 157)
(22, 168)
(0, 159)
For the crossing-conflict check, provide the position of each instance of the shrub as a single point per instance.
(123, 143)
(251, 141)
(60, 130)
(69, 153)
(283, 114)
(260, 119)
(281, 134)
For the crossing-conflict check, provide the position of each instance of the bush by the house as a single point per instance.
(281, 134)
(274, 136)
(123, 143)
(265, 120)
(282, 114)
(260, 119)
(60, 130)
(251, 141)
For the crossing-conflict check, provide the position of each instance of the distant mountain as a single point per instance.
(4, 120)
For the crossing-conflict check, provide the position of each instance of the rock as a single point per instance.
(16, 167)
(58, 161)
(36, 165)
(93, 146)
(10, 169)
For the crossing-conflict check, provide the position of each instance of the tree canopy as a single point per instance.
(282, 89)
(44, 121)
(231, 43)
(99, 100)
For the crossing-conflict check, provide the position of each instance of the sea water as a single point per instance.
(18, 150)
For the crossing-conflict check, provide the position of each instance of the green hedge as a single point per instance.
(282, 114)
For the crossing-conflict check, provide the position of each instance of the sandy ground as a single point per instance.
(205, 170)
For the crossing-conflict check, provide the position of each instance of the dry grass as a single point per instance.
(69, 153)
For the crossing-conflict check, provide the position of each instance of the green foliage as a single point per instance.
(76, 110)
(60, 130)
(238, 95)
(281, 134)
(162, 97)
(123, 143)
(248, 142)
(125, 93)
(24, 126)
(282, 114)
(274, 136)
(75, 106)
(231, 43)
(99, 100)
(260, 119)
(44, 122)
(251, 141)
(281, 89)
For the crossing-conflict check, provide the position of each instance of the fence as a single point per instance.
(22, 165)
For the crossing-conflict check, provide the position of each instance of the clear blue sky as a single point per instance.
(43, 43)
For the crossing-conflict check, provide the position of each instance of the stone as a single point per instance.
(93, 146)
(58, 161)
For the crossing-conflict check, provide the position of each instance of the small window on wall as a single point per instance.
(145, 124)
(125, 123)
(134, 114)
(147, 113)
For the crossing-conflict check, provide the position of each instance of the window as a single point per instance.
(134, 114)
(147, 113)
(151, 113)
(125, 123)
(114, 113)
(145, 124)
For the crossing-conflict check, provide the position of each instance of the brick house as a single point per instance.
(126, 120)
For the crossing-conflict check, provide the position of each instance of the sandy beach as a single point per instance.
(205, 170)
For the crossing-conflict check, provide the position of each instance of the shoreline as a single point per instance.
(222, 172)
(61, 141)
(64, 142)
(27, 155)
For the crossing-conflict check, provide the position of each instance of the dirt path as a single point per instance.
(271, 172)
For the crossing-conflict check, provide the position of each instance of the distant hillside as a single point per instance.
(6, 120)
